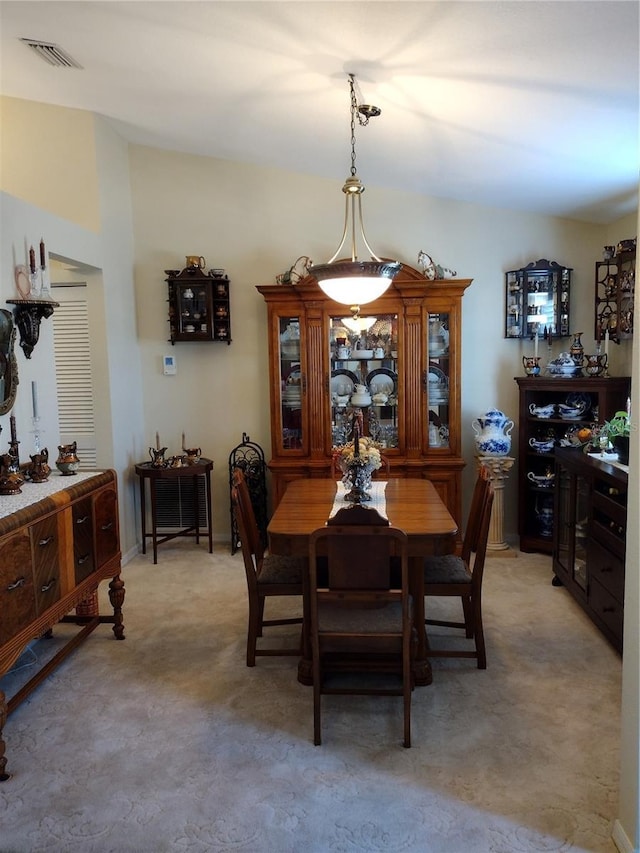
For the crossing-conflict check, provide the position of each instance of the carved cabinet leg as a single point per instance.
(3, 719)
(116, 597)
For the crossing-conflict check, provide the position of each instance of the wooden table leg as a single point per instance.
(154, 520)
(143, 511)
(196, 508)
(209, 514)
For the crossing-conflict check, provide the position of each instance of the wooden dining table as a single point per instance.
(413, 505)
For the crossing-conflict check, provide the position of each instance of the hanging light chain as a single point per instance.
(363, 120)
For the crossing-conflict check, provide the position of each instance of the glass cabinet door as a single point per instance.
(363, 354)
(572, 525)
(291, 384)
(194, 309)
(437, 380)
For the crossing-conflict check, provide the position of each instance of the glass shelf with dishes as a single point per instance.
(364, 378)
(437, 380)
(291, 383)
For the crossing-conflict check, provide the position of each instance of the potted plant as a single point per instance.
(617, 431)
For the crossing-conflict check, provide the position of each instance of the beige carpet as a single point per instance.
(167, 742)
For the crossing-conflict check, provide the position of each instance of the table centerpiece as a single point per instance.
(357, 460)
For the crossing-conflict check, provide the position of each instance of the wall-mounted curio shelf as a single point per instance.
(537, 300)
(199, 307)
(615, 295)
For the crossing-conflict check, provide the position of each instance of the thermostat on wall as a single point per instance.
(170, 368)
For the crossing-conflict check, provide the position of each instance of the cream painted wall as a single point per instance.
(254, 222)
(109, 254)
(48, 159)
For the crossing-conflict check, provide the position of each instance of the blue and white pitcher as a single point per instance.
(493, 433)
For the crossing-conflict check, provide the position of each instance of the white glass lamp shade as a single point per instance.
(355, 282)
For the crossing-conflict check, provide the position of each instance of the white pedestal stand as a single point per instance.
(497, 468)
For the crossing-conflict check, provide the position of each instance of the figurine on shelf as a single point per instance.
(432, 270)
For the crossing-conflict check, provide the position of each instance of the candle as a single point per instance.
(550, 339)
(535, 344)
(606, 342)
(12, 421)
(183, 441)
(157, 441)
(42, 253)
(598, 333)
(356, 446)
(32, 259)
(34, 399)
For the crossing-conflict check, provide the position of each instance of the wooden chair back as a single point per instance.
(351, 626)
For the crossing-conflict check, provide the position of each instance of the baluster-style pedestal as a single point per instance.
(497, 468)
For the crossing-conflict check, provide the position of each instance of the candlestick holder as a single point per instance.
(13, 467)
(36, 432)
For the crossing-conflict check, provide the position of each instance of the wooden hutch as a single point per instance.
(408, 359)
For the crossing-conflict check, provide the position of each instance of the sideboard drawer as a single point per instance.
(46, 562)
(83, 559)
(607, 608)
(17, 596)
(606, 568)
(106, 526)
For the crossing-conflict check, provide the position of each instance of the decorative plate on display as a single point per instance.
(343, 381)
(23, 282)
(438, 385)
(382, 381)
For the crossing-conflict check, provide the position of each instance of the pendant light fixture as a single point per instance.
(355, 282)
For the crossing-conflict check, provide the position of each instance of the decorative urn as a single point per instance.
(493, 433)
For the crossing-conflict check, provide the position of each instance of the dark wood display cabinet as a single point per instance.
(395, 371)
(615, 295)
(199, 306)
(550, 410)
(589, 536)
(537, 299)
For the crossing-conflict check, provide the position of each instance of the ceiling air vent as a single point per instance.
(51, 53)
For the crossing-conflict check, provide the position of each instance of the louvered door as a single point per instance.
(74, 375)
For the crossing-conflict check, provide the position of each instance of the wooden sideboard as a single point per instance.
(58, 541)
(590, 536)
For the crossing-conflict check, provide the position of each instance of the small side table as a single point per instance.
(497, 468)
(147, 471)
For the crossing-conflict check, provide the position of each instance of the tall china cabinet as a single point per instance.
(404, 350)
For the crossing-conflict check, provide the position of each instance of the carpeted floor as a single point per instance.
(168, 742)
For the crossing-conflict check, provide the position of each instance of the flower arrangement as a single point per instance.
(357, 460)
(361, 451)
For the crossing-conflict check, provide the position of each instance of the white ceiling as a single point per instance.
(523, 105)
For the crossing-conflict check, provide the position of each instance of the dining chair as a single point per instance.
(460, 575)
(268, 575)
(361, 619)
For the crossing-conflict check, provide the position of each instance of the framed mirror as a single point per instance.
(8, 363)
